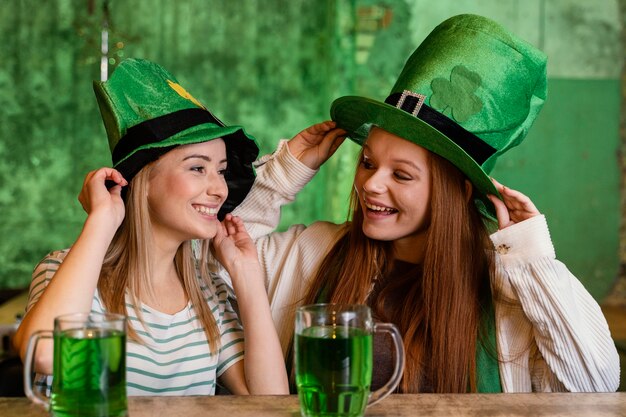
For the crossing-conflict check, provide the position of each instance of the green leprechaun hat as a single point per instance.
(146, 113)
(469, 92)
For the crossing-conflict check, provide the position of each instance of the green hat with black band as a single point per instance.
(469, 92)
(147, 113)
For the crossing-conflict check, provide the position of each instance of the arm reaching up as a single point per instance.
(74, 283)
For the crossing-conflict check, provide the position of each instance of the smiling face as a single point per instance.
(186, 190)
(394, 188)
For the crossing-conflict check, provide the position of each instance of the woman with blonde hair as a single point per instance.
(463, 265)
(176, 169)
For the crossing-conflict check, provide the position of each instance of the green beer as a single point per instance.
(333, 370)
(89, 373)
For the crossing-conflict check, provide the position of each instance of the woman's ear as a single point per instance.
(469, 190)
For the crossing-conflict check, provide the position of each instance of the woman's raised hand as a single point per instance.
(232, 245)
(96, 197)
(315, 144)
(514, 207)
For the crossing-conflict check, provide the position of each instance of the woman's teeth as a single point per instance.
(206, 210)
(379, 208)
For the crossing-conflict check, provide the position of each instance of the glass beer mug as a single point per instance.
(333, 359)
(89, 366)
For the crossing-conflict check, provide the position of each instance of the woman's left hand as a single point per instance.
(232, 245)
(514, 207)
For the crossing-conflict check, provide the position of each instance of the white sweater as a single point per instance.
(553, 337)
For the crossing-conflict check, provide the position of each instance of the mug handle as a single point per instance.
(393, 382)
(34, 395)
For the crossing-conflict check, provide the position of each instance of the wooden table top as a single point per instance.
(398, 405)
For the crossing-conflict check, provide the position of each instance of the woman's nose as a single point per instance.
(375, 183)
(217, 187)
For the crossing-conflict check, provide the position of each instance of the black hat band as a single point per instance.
(413, 103)
(159, 129)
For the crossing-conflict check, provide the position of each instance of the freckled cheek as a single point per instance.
(416, 208)
(180, 188)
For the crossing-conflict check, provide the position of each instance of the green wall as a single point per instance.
(274, 66)
(269, 65)
(568, 165)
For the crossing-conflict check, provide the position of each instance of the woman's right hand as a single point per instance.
(76, 279)
(232, 245)
(315, 144)
(95, 197)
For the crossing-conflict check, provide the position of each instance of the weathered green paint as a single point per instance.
(275, 66)
(568, 165)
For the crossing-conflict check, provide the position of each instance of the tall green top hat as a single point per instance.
(469, 93)
(146, 113)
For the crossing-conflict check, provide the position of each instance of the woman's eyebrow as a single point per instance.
(203, 157)
(408, 162)
(367, 149)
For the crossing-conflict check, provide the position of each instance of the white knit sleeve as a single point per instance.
(564, 320)
(279, 178)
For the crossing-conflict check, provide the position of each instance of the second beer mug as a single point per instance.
(333, 359)
(89, 369)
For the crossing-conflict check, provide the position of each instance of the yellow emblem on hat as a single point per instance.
(184, 94)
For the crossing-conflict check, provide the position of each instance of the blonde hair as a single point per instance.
(439, 316)
(127, 265)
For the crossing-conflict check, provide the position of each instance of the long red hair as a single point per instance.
(439, 316)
